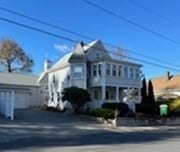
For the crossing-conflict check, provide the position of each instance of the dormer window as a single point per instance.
(97, 55)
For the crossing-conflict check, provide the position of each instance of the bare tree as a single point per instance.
(13, 58)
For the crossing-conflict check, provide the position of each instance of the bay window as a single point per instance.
(78, 71)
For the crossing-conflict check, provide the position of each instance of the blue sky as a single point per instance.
(82, 18)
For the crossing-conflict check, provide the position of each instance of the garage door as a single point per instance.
(21, 100)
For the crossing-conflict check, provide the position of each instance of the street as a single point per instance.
(36, 130)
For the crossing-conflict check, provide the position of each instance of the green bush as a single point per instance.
(78, 97)
(146, 108)
(174, 105)
(120, 106)
(105, 113)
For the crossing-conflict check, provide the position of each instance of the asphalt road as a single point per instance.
(35, 130)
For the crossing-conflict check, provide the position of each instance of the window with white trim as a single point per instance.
(126, 72)
(97, 55)
(137, 73)
(99, 69)
(108, 69)
(114, 70)
(78, 71)
(119, 70)
(131, 73)
(95, 70)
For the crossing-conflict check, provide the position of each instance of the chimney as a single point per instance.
(47, 65)
(169, 76)
(82, 43)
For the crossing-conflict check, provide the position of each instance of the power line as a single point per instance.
(74, 41)
(152, 11)
(37, 29)
(78, 34)
(44, 22)
(130, 21)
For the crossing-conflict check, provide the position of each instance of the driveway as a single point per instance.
(37, 130)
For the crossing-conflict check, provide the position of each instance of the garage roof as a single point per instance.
(18, 79)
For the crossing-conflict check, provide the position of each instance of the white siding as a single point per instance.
(21, 100)
(58, 80)
(35, 97)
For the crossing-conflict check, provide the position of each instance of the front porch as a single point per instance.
(102, 94)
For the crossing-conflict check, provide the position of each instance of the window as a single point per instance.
(46, 87)
(68, 77)
(107, 95)
(108, 68)
(110, 95)
(126, 72)
(114, 70)
(54, 79)
(97, 56)
(119, 70)
(131, 73)
(52, 96)
(78, 71)
(96, 94)
(95, 70)
(137, 73)
(99, 69)
(58, 96)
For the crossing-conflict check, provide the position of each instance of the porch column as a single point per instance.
(117, 93)
(103, 93)
(128, 94)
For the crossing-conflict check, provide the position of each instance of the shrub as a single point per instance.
(105, 113)
(78, 97)
(121, 107)
(146, 108)
(174, 105)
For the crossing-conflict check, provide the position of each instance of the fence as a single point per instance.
(7, 104)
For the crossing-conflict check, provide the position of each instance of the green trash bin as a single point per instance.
(163, 109)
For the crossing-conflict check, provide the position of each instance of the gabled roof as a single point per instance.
(18, 79)
(88, 46)
(162, 83)
(64, 61)
(78, 55)
(43, 75)
(95, 45)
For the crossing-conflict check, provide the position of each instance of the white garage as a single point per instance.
(21, 100)
(26, 89)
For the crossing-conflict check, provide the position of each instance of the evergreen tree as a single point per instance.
(78, 97)
(150, 96)
(143, 91)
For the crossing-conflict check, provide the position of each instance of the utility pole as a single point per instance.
(169, 77)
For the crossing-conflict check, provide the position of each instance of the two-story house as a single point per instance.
(93, 68)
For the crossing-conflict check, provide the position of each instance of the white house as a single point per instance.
(93, 68)
(26, 90)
